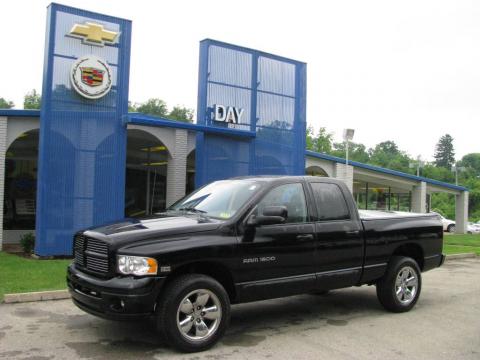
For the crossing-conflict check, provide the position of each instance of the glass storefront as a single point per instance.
(21, 183)
(146, 174)
(370, 196)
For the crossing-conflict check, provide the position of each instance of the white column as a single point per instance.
(345, 173)
(177, 167)
(461, 212)
(419, 198)
(3, 150)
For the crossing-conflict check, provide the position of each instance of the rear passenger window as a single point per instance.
(331, 204)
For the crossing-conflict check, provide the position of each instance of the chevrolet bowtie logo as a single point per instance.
(93, 34)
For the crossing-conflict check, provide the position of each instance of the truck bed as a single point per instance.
(366, 215)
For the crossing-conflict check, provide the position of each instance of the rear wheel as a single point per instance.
(399, 289)
(193, 312)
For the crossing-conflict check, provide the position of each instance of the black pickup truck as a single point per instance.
(248, 239)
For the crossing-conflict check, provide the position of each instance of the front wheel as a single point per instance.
(399, 289)
(193, 312)
(451, 228)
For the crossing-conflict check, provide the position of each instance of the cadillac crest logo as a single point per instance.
(91, 77)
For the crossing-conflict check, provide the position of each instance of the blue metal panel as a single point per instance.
(81, 174)
(19, 113)
(271, 90)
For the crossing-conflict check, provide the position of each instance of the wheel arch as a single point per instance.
(412, 250)
(216, 270)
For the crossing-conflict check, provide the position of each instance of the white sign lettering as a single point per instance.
(229, 114)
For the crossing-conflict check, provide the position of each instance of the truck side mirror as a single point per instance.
(271, 215)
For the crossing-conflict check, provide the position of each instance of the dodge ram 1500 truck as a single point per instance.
(247, 239)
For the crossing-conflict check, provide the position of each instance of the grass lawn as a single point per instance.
(457, 244)
(18, 274)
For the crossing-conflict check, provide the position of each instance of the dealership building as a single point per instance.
(83, 160)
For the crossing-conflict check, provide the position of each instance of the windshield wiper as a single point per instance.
(191, 209)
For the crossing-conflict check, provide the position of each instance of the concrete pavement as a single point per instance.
(345, 324)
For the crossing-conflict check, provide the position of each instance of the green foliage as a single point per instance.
(356, 151)
(387, 154)
(155, 107)
(5, 104)
(444, 153)
(158, 107)
(444, 204)
(180, 113)
(32, 100)
(471, 162)
(27, 242)
(322, 142)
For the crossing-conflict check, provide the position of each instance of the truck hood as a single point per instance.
(161, 226)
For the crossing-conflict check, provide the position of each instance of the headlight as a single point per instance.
(136, 265)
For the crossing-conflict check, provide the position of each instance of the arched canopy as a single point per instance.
(315, 171)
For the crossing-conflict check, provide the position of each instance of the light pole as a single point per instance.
(347, 136)
(456, 169)
(418, 164)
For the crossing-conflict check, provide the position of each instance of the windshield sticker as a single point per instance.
(224, 215)
(253, 187)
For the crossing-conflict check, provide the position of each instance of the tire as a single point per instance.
(451, 228)
(181, 303)
(395, 279)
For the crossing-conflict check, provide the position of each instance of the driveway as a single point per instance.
(345, 324)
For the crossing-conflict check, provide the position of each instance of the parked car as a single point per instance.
(448, 225)
(248, 239)
(473, 228)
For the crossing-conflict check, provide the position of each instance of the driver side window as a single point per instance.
(289, 195)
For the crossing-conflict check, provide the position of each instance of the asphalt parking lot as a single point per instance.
(345, 324)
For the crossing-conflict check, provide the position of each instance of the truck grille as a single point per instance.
(91, 254)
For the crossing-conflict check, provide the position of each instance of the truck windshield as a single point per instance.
(220, 199)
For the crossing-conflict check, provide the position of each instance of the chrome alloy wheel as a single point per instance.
(406, 285)
(199, 315)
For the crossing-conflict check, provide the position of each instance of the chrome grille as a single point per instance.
(91, 254)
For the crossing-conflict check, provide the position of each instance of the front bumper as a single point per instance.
(119, 298)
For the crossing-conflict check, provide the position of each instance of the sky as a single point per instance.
(405, 71)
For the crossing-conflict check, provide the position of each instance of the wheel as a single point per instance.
(451, 228)
(398, 290)
(193, 312)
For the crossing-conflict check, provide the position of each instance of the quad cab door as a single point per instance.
(339, 233)
(279, 259)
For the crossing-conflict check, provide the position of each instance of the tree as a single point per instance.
(322, 142)
(356, 151)
(154, 106)
(387, 154)
(5, 104)
(471, 162)
(444, 152)
(32, 100)
(132, 107)
(180, 113)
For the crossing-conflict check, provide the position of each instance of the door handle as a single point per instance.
(304, 237)
(352, 233)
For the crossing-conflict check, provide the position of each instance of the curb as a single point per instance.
(461, 256)
(36, 296)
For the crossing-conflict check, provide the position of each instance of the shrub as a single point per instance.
(27, 242)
